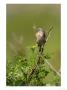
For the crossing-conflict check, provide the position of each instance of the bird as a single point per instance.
(40, 39)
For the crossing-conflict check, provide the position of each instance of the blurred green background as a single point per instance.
(20, 19)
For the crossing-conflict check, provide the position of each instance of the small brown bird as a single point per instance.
(40, 39)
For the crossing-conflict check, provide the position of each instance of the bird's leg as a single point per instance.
(42, 48)
(39, 52)
(39, 48)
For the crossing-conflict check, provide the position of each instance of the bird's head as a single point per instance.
(39, 29)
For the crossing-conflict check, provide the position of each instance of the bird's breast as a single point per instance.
(39, 35)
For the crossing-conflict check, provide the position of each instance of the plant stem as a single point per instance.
(53, 68)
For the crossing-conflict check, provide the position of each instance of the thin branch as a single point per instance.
(53, 68)
(46, 59)
(50, 66)
(49, 32)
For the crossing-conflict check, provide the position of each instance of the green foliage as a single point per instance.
(25, 71)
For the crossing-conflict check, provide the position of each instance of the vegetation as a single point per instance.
(24, 69)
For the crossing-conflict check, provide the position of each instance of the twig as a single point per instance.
(46, 59)
(52, 67)
(49, 32)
